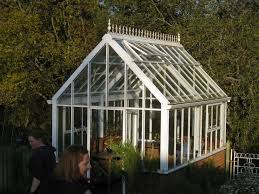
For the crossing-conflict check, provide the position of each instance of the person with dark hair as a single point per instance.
(70, 174)
(42, 162)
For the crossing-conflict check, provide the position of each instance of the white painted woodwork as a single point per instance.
(72, 127)
(152, 61)
(188, 134)
(206, 127)
(175, 137)
(64, 123)
(55, 122)
(143, 124)
(164, 140)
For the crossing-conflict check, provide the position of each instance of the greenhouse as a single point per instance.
(143, 88)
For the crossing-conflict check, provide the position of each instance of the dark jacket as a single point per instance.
(60, 186)
(42, 163)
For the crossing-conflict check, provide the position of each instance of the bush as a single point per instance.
(190, 180)
(130, 158)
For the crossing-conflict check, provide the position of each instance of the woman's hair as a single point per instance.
(67, 167)
(39, 134)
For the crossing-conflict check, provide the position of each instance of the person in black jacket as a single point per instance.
(42, 162)
(70, 174)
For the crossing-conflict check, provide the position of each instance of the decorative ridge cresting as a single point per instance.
(124, 30)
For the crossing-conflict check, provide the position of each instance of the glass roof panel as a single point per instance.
(173, 71)
(135, 93)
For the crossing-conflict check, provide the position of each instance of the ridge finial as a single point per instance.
(109, 25)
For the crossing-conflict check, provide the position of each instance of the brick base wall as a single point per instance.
(218, 159)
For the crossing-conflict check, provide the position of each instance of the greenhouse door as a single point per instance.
(132, 126)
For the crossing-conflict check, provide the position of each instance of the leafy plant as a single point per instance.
(130, 157)
(130, 161)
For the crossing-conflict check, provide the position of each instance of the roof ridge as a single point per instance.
(131, 31)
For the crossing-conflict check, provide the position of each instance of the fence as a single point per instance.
(244, 164)
(14, 172)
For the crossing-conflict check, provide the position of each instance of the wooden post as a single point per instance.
(231, 164)
(228, 161)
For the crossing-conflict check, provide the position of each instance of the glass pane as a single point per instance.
(171, 140)
(64, 126)
(80, 125)
(67, 140)
(97, 84)
(213, 140)
(77, 137)
(100, 57)
(181, 136)
(114, 123)
(80, 87)
(66, 117)
(203, 129)
(134, 90)
(218, 139)
(152, 138)
(85, 126)
(60, 130)
(165, 81)
(98, 78)
(116, 79)
(65, 97)
(106, 128)
(132, 50)
(135, 93)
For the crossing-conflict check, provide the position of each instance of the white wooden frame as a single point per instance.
(173, 77)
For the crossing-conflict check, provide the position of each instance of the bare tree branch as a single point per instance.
(19, 4)
(54, 28)
(162, 19)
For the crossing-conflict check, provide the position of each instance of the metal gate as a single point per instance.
(244, 164)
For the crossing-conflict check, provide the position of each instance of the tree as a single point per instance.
(223, 36)
(41, 43)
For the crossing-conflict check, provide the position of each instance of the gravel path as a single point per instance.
(241, 185)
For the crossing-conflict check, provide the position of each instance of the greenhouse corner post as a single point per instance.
(55, 126)
(164, 141)
(89, 113)
(72, 126)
